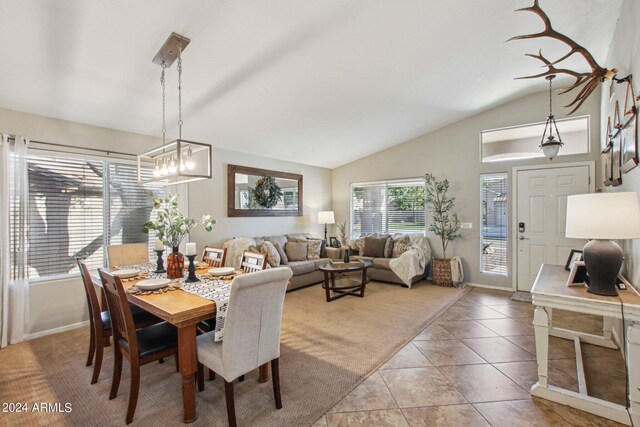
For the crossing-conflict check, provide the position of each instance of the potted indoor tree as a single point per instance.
(444, 224)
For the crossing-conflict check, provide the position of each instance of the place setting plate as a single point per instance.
(152, 284)
(221, 271)
(127, 273)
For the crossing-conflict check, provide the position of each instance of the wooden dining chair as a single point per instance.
(100, 322)
(253, 262)
(139, 346)
(251, 332)
(215, 257)
(127, 254)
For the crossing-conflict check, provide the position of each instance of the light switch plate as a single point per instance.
(466, 225)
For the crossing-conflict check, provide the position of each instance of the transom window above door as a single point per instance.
(523, 142)
(392, 206)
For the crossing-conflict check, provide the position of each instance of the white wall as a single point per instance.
(210, 197)
(47, 129)
(453, 152)
(624, 54)
(60, 303)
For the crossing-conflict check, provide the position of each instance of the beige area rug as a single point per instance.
(327, 350)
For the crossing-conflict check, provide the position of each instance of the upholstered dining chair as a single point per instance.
(139, 346)
(127, 254)
(253, 261)
(215, 257)
(100, 322)
(251, 332)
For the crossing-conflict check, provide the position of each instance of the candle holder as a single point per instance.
(160, 262)
(192, 270)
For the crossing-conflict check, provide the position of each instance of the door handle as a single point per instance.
(523, 238)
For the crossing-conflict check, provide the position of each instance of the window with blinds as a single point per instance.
(130, 204)
(493, 223)
(76, 208)
(395, 206)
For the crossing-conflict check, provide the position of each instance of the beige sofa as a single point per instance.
(305, 273)
(410, 266)
(380, 271)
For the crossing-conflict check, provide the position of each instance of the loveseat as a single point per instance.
(305, 271)
(398, 258)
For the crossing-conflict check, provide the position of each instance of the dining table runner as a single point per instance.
(209, 287)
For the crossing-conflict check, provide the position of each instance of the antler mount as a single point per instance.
(588, 80)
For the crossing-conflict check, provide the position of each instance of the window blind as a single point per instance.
(64, 215)
(395, 206)
(76, 208)
(493, 199)
(130, 205)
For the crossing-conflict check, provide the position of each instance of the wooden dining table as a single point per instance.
(184, 311)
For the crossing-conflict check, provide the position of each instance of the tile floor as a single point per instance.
(474, 366)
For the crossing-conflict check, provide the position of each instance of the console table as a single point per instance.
(550, 291)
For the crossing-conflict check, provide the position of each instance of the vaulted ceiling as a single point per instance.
(316, 82)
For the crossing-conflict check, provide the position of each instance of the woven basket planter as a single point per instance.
(441, 274)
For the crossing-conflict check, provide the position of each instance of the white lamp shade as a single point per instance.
(326, 217)
(603, 216)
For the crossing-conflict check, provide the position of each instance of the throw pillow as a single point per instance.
(374, 246)
(314, 248)
(380, 235)
(296, 251)
(254, 249)
(298, 237)
(283, 256)
(400, 246)
(273, 257)
(388, 248)
(360, 246)
(323, 246)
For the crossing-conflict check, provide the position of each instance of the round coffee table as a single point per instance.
(349, 285)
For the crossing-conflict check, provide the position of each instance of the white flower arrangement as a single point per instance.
(171, 225)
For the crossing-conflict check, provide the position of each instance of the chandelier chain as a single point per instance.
(550, 94)
(180, 89)
(162, 83)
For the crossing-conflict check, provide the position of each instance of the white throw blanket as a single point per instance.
(414, 261)
(235, 247)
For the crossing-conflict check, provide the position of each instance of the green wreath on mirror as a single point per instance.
(267, 193)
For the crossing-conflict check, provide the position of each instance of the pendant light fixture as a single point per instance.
(179, 161)
(550, 146)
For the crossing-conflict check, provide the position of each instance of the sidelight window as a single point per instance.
(493, 223)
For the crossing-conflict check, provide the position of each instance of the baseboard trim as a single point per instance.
(480, 285)
(57, 330)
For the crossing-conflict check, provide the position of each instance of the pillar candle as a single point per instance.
(159, 245)
(191, 249)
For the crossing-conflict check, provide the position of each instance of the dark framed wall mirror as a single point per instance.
(262, 192)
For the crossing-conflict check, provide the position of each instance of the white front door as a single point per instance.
(541, 218)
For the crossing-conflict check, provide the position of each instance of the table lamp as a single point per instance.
(326, 217)
(600, 217)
